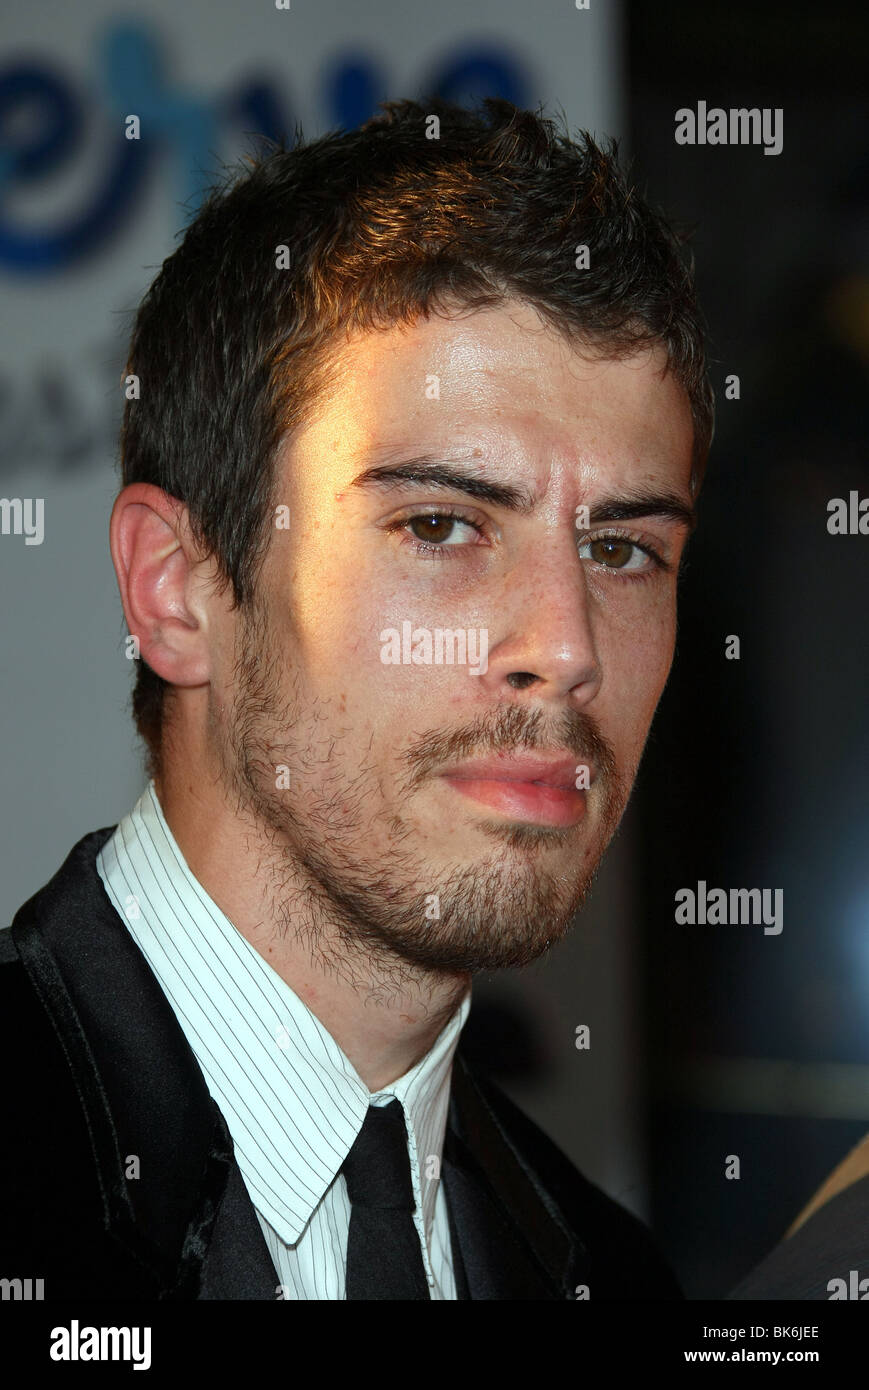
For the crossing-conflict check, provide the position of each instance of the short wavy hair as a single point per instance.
(383, 224)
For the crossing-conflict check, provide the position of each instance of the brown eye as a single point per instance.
(441, 531)
(434, 528)
(613, 553)
(617, 553)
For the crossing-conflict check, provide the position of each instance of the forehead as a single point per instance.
(501, 385)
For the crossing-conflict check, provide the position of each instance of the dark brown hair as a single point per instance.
(400, 218)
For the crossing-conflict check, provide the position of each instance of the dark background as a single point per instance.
(756, 770)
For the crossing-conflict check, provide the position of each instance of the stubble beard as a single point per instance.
(387, 915)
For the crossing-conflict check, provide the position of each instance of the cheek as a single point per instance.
(656, 652)
(637, 663)
(338, 642)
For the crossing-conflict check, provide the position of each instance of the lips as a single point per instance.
(537, 790)
(546, 772)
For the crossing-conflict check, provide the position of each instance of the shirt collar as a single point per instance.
(292, 1099)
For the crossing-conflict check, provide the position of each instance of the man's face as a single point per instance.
(410, 806)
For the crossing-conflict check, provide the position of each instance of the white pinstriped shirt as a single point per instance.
(292, 1100)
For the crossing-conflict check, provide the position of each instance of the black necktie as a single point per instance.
(384, 1258)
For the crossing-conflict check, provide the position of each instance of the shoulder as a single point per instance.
(21, 1013)
(30, 1042)
(8, 953)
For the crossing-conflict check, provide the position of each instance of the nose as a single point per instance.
(545, 640)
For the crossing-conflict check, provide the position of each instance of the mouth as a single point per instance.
(537, 791)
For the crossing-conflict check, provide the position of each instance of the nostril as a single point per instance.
(520, 680)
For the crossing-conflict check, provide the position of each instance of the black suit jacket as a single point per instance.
(97, 1069)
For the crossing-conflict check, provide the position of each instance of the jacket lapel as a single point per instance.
(187, 1217)
(237, 1263)
(508, 1241)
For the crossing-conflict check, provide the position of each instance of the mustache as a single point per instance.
(509, 729)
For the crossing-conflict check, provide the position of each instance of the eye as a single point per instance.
(619, 553)
(437, 531)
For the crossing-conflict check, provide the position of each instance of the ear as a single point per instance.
(163, 582)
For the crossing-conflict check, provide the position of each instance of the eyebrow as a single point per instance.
(457, 477)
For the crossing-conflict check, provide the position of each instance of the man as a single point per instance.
(422, 418)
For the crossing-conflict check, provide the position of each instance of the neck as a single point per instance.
(384, 1014)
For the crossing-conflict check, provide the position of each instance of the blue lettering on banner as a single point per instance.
(44, 122)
